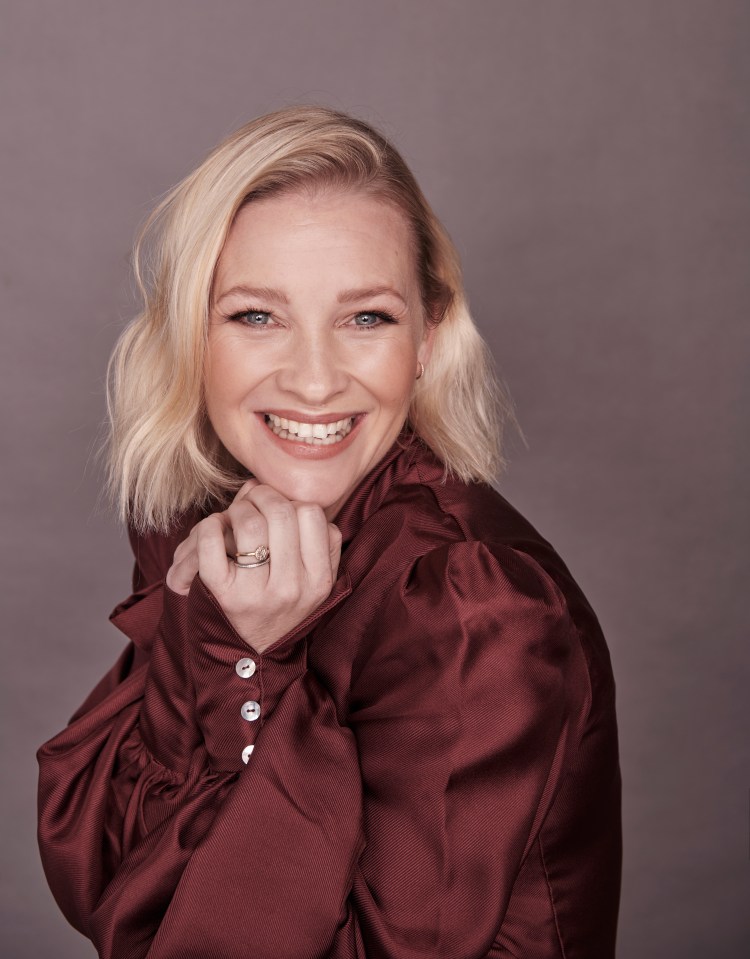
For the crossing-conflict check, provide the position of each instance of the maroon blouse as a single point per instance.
(434, 768)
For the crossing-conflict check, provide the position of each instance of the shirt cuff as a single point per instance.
(236, 688)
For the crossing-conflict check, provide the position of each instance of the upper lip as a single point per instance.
(310, 417)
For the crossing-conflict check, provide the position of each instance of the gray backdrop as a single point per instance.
(591, 161)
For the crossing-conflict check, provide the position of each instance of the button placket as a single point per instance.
(250, 710)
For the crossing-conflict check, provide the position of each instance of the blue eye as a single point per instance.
(252, 318)
(371, 319)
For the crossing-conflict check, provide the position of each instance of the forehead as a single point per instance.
(321, 234)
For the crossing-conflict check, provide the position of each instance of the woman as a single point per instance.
(365, 711)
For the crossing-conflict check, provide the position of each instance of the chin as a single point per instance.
(308, 489)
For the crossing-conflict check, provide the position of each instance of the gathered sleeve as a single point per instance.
(386, 820)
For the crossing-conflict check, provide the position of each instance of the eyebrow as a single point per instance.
(351, 296)
(277, 296)
(259, 292)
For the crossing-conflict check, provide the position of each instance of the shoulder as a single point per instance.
(428, 588)
(481, 570)
(462, 529)
(475, 530)
(456, 562)
(473, 581)
(468, 593)
(454, 588)
(477, 631)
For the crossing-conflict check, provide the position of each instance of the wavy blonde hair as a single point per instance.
(163, 455)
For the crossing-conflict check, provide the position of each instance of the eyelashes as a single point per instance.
(380, 315)
(248, 316)
(261, 319)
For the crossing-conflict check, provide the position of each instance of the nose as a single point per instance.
(314, 373)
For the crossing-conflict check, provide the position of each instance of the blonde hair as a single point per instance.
(164, 457)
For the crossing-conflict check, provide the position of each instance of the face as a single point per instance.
(316, 335)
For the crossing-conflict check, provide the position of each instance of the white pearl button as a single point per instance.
(250, 710)
(245, 667)
(246, 753)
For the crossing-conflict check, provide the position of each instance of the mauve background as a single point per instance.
(591, 160)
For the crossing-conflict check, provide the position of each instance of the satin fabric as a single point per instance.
(434, 771)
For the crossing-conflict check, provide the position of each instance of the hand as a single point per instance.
(266, 602)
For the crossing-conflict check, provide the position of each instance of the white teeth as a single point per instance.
(313, 434)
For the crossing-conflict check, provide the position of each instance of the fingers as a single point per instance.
(246, 487)
(334, 548)
(305, 554)
(315, 548)
(262, 603)
(238, 515)
(248, 526)
(305, 548)
(184, 565)
(212, 551)
(274, 524)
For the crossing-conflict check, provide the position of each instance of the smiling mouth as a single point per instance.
(313, 434)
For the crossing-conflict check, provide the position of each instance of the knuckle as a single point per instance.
(203, 536)
(246, 487)
(281, 512)
(289, 592)
(180, 553)
(251, 526)
(310, 512)
(309, 509)
(208, 525)
(324, 584)
(239, 509)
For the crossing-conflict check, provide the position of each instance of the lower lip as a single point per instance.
(308, 451)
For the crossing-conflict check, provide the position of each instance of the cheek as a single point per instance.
(390, 370)
(223, 382)
(395, 391)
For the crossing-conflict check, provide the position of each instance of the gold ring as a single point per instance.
(261, 555)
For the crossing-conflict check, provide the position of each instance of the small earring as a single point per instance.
(421, 370)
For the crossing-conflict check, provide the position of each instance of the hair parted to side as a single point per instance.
(164, 457)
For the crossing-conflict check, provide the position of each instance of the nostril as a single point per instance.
(315, 383)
